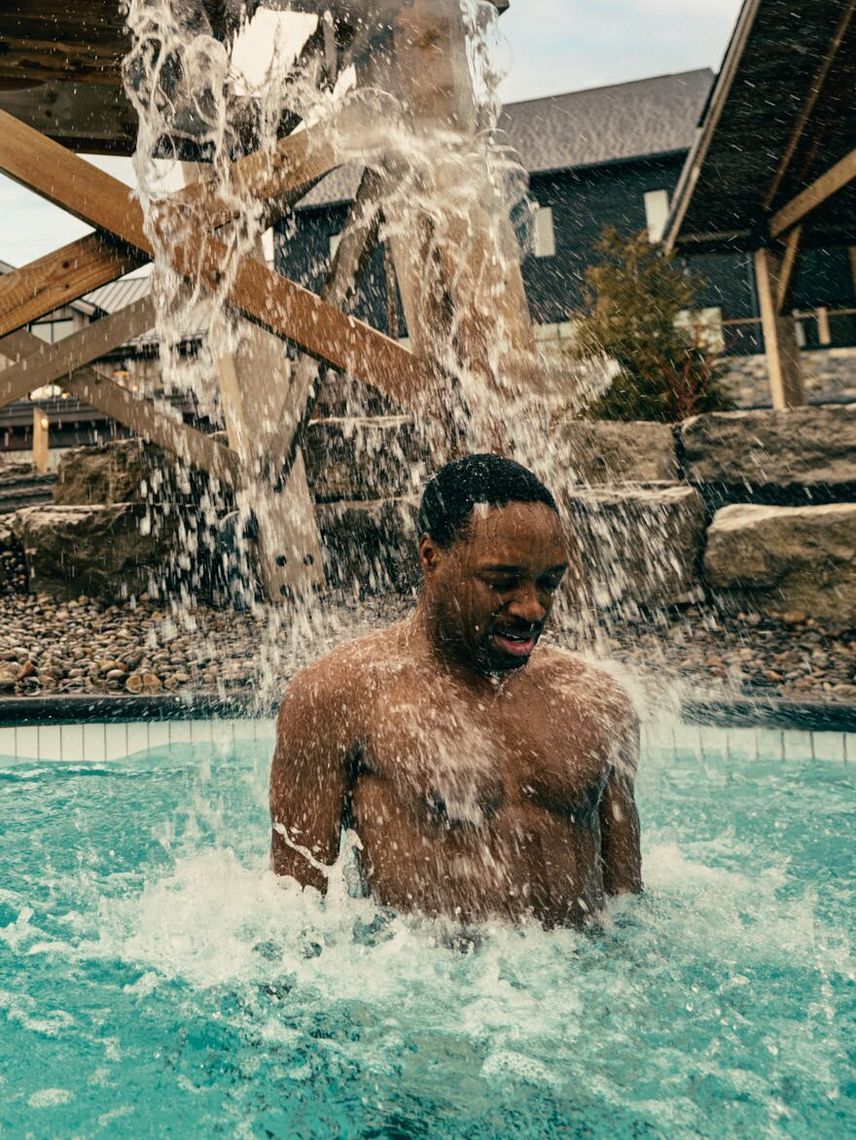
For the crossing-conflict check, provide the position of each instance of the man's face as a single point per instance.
(491, 592)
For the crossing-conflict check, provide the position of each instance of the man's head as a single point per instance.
(493, 552)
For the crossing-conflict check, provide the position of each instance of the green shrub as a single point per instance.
(668, 369)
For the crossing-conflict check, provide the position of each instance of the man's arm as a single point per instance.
(619, 819)
(309, 778)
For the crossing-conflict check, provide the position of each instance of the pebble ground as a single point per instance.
(83, 647)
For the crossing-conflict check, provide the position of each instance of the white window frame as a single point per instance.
(543, 232)
(656, 213)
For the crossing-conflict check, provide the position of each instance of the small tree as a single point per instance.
(668, 368)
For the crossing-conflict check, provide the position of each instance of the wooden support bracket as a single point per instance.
(780, 342)
(141, 415)
(267, 298)
(835, 179)
(787, 271)
(50, 362)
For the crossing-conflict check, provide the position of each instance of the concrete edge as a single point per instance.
(808, 716)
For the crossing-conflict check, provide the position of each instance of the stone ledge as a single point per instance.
(104, 551)
(774, 559)
(794, 456)
(608, 451)
(362, 458)
(641, 546)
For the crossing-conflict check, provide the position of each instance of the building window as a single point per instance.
(656, 213)
(543, 234)
(334, 244)
(52, 331)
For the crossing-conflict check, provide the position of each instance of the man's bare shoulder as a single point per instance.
(350, 671)
(575, 676)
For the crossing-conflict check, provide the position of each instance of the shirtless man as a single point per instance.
(486, 776)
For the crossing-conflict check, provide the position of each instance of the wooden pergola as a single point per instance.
(61, 93)
(773, 166)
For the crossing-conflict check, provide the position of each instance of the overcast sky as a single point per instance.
(551, 46)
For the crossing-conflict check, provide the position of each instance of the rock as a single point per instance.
(362, 458)
(122, 471)
(106, 551)
(151, 683)
(784, 457)
(13, 565)
(796, 559)
(370, 546)
(603, 451)
(639, 546)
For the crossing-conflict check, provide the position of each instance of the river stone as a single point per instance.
(606, 451)
(640, 546)
(362, 458)
(370, 547)
(779, 559)
(774, 456)
(100, 551)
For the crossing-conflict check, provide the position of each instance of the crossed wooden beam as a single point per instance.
(120, 244)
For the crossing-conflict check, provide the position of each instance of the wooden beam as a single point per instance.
(270, 300)
(290, 167)
(28, 293)
(145, 419)
(786, 274)
(809, 105)
(52, 362)
(357, 242)
(835, 179)
(41, 439)
(780, 341)
(140, 415)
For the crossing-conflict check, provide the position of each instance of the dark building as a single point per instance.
(611, 156)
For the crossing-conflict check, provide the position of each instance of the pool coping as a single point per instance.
(810, 716)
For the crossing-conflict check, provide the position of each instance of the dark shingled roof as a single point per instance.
(582, 128)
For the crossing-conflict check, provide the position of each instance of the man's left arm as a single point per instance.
(619, 820)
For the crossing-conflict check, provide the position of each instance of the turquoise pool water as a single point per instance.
(155, 980)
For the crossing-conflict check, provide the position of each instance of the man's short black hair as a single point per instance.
(452, 493)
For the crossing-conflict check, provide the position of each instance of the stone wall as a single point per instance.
(754, 510)
(828, 374)
(650, 507)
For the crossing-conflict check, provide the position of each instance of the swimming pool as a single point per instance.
(156, 980)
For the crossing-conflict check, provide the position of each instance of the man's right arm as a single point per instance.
(309, 777)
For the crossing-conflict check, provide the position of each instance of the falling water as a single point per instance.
(447, 197)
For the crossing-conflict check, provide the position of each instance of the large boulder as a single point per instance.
(370, 547)
(125, 471)
(102, 551)
(362, 458)
(639, 546)
(606, 451)
(787, 457)
(775, 559)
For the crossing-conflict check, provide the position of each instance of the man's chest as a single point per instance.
(472, 760)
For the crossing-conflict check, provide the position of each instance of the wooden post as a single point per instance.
(780, 340)
(41, 441)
